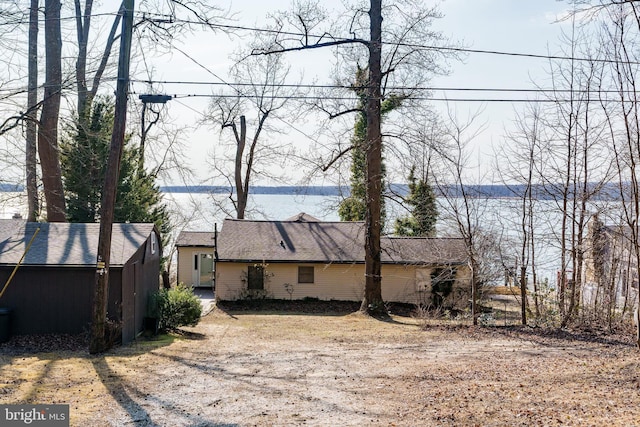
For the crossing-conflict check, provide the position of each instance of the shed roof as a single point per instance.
(196, 238)
(318, 241)
(67, 244)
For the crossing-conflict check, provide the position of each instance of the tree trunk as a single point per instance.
(523, 293)
(32, 128)
(83, 25)
(474, 289)
(372, 302)
(241, 194)
(48, 130)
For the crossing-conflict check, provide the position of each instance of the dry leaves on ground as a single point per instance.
(242, 368)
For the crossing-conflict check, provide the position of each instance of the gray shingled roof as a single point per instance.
(67, 244)
(196, 238)
(303, 217)
(308, 241)
(423, 250)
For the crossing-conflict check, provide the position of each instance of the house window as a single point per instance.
(305, 274)
(154, 243)
(255, 277)
(442, 281)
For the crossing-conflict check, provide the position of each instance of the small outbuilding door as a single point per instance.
(203, 269)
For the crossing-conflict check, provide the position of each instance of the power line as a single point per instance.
(169, 19)
(9, 92)
(391, 88)
(355, 99)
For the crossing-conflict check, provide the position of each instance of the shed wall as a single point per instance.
(55, 300)
(141, 278)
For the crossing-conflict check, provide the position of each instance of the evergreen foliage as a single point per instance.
(424, 210)
(84, 154)
(354, 207)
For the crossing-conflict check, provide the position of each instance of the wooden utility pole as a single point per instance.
(99, 342)
(372, 302)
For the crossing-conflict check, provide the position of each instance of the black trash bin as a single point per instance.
(5, 324)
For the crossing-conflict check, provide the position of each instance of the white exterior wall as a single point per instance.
(185, 265)
(334, 281)
(186, 272)
(343, 282)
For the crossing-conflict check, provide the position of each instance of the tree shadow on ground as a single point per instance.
(310, 307)
(544, 336)
(259, 382)
(190, 335)
(128, 395)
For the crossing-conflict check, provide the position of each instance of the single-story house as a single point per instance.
(303, 257)
(52, 290)
(196, 250)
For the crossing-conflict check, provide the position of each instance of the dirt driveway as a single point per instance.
(248, 369)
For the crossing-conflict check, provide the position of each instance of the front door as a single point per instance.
(203, 270)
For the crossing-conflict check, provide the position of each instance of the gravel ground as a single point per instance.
(242, 368)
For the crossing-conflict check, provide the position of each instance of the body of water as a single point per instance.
(199, 212)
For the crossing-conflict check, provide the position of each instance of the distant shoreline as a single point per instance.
(312, 190)
(608, 192)
(538, 192)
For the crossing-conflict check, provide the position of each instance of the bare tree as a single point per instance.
(620, 30)
(520, 164)
(85, 95)
(393, 55)
(261, 100)
(48, 129)
(461, 201)
(31, 136)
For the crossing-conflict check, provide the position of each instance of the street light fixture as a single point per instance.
(155, 99)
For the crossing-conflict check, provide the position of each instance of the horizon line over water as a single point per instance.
(607, 192)
(597, 192)
(198, 212)
(203, 213)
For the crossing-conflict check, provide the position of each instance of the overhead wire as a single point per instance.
(170, 19)
(355, 99)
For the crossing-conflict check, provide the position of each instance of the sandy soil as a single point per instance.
(275, 369)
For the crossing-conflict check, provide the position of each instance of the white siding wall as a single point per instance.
(185, 265)
(186, 274)
(332, 281)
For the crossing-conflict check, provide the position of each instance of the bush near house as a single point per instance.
(176, 307)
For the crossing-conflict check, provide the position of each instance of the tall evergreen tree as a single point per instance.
(84, 153)
(354, 207)
(424, 211)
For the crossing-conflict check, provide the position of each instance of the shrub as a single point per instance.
(176, 307)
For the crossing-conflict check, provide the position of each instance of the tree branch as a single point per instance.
(256, 52)
(336, 158)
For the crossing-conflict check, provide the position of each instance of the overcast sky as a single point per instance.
(497, 25)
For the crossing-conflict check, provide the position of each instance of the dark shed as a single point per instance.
(52, 291)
